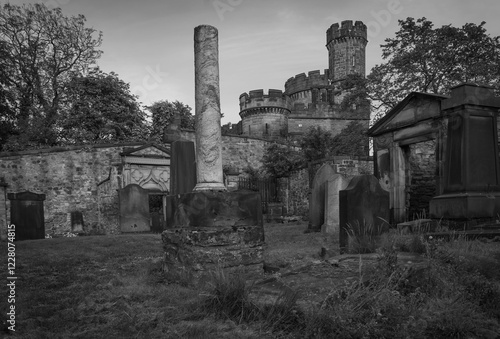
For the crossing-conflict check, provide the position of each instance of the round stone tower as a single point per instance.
(264, 115)
(346, 49)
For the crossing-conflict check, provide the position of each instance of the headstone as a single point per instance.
(134, 209)
(182, 167)
(207, 110)
(317, 198)
(76, 221)
(472, 172)
(333, 186)
(26, 213)
(364, 208)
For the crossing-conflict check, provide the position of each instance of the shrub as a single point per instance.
(227, 297)
(363, 238)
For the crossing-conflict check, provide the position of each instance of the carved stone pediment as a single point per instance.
(147, 166)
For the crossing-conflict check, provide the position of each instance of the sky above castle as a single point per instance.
(262, 43)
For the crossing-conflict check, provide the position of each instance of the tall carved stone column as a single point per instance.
(207, 107)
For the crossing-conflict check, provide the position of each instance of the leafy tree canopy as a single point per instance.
(352, 140)
(316, 143)
(280, 160)
(427, 59)
(164, 113)
(41, 50)
(101, 109)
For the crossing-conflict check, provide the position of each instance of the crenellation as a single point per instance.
(301, 82)
(312, 98)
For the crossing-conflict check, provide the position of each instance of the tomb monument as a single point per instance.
(211, 228)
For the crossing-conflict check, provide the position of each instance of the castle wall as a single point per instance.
(312, 100)
(265, 125)
(298, 125)
(264, 115)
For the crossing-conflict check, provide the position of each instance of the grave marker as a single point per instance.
(364, 208)
(317, 199)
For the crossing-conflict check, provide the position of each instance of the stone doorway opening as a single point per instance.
(157, 210)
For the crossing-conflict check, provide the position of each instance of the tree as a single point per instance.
(352, 140)
(101, 109)
(316, 143)
(41, 51)
(354, 95)
(280, 160)
(163, 114)
(427, 59)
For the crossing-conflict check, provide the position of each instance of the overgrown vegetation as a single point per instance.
(114, 286)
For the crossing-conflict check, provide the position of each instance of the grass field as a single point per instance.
(114, 287)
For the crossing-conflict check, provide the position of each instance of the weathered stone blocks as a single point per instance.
(210, 229)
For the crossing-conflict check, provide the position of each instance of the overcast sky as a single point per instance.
(262, 43)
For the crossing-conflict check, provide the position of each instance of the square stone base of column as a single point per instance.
(202, 250)
(209, 230)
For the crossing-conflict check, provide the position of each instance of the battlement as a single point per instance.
(257, 98)
(303, 82)
(346, 30)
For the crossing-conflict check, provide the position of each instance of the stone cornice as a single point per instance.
(264, 110)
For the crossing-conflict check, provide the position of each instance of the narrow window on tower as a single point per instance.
(353, 60)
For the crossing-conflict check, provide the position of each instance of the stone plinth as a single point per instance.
(204, 249)
(471, 185)
(208, 230)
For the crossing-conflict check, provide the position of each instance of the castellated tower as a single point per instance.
(314, 99)
(346, 49)
(264, 115)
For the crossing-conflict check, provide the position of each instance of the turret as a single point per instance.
(346, 49)
(263, 114)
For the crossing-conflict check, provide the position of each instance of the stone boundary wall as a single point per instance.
(84, 179)
(68, 176)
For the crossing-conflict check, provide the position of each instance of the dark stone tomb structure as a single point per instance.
(26, 213)
(182, 167)
(472, 173)
(364, 209)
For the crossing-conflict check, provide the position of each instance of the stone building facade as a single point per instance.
(310, 100)
(86, 180)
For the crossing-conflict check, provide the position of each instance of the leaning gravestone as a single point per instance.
(317, 199)
(134, 209)
(364, 209)
(333, 186)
